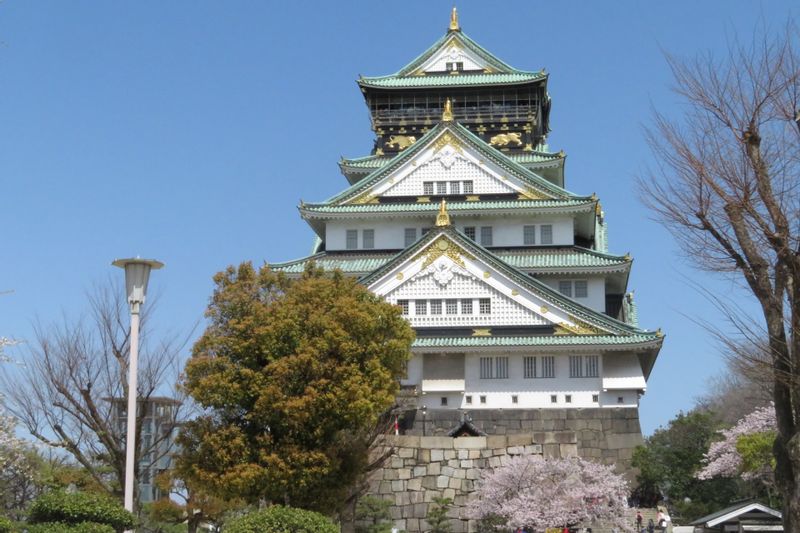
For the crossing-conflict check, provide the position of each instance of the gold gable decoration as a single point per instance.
(443, 246)
(445, 139)
(366, 198)
(578, 327)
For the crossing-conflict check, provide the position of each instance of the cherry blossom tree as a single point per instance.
(724, 458)
(535, 493)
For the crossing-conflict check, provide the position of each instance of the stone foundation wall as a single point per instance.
(425, 466)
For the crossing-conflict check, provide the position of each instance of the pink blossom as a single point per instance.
(535, 493)
(722, 459)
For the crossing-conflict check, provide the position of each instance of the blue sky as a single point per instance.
(188, 131)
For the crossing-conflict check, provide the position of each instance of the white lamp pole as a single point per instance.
(137, 274)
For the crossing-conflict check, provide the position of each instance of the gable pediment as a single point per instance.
(452, 51)
(444, 270)
(447, 164)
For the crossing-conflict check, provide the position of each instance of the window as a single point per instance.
(546, 233)
(403, 306)
(514, 398)
(421, 307)
(501, 367)
(484, 306)
(528, 235)
(455, 187)
(410, 236)
(568, 398)
(468, 399)
(548, 366)
(553, 398)
(467, 187)
(368, 238)
(576, 366)
(436, 307)
(581, 288)
(451, 307)
(486, 235)
(144, 476)
(352, 239)
(595, 398)
(486, 368)
(454, 66)
(441, 187)
(444, 400)
(565, 288)
(469, 231)
(466, 307)
(483, 399)
(529, 367)
(620, 399)
(427, 187)
(591, 366)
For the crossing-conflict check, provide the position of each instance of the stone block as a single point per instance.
(442, 482)
(423, 455)
(449, 454)
(448, 471)
(396, 462)
(568, 450)
(405, 453)
(473, 473)
(533, 449)
(515, 450)
(436, 442)
(449, 493)
(463, 454)
(455, 483)
(496, 441)
(460, 474)
(566, 437)
(551, 451)
(434, 469)
(437, 455)
(616, 441)
(402, 498)
(403, 473)
(398, 485)
(474, 454)
(519, 439)
(414, 484)
(473, 443)
(420, 510)
(467, 464)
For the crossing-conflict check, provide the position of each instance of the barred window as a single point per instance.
(441, 187)
(427, 187)
(469, 231)
(581, 288)
(553, 398)
(546, 233)
(368, 238)
(565, 288)
(468, 399)
(591, 366)
(548, 366)
(410, 236)
(486, 368)
(483, 399)
(528, 235)
(403, 306)
(484, 306)
(455, 187)
(514, 398)
(451, 307)
(568, 398)
(575, 366)
(501, 367)
(444, 400)
(421, 307)
(352, 239)
(467, 187)
(486, 235)
(466, 307)
(595, 398)
(436, 307)
(529, 367)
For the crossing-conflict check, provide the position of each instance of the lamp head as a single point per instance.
(137, 274)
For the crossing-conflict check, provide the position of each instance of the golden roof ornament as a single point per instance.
(442, 219)
(454, 20)
(447, 115)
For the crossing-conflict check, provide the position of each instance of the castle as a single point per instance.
(527, 337)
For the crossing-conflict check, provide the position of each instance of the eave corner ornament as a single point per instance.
(443, 218)
(454, 20)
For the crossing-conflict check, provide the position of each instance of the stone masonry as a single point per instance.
(423, 467)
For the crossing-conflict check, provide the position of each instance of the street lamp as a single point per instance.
(137, 274)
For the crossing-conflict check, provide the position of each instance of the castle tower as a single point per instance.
(460, 216)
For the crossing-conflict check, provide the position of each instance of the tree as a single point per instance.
(295, 377)
(60, 511)
(16, 473)
(727, 188)
(373, 515)
(72, 375)
(536, 493)
(279, 519)
(437, 516)
(669, 461)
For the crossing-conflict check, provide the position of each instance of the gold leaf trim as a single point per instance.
(443, 247)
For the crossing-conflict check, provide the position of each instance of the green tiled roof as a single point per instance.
(540, 340)
(544, 259)
(577, 204)
(450, 80)
(496, 156)
(376, 161)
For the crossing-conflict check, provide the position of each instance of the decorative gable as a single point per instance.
(448, 165)
(452, 56)
(443, 272)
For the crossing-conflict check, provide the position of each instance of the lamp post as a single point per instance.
(137, 274)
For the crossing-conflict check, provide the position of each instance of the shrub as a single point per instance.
(373, 516)
(59, 527)
(79, 508)
(279, 519)
(5, 525)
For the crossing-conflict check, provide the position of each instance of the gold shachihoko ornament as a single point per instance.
(443, 218)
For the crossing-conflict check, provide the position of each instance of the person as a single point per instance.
(651, 527)
(639, 520)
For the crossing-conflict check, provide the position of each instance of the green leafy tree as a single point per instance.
(437, 516)
(86, 512)
(279, 519)
(373, 516)
(294, 376)
(671, 457)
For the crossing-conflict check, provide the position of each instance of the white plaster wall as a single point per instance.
(596, 290)
(462, 169)
(390, 234)
(413, 371)
(451, 53)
